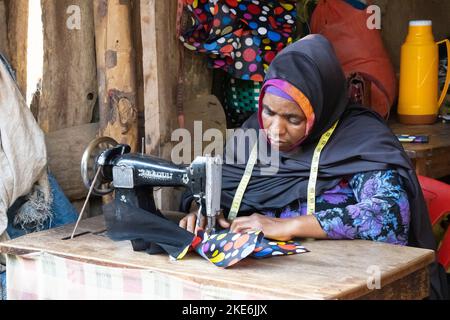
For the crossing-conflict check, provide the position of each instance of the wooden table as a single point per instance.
(332, 270)
(431, 159)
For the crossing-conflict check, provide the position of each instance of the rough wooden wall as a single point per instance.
(397, 14)
(69, 86)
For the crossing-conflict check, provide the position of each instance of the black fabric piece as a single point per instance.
(148, 231)
(362, 142)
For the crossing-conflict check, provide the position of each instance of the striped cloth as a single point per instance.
(42, 276)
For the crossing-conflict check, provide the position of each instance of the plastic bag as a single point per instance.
(359, 49)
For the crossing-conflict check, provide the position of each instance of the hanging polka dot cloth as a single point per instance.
(240, 36)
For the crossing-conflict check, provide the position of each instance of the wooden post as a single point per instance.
(100, 19)
(160, 67)
(4, 47)
(69, 88)
(115, 51)
(17, 19)
(65, 148)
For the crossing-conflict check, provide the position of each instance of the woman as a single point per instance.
(366, 186)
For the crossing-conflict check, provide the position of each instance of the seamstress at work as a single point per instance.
(366, 187)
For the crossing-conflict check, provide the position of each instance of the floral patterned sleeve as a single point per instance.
(381, 212)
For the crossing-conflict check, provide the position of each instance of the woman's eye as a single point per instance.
(268, 112)
(295, 121)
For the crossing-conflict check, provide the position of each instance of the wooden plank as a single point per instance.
(435, 165)
(439, 134)
(160, 73)
(159, 76)
(332, 270)
(161, 66)
(137, 40)
(65, 149)
(4, 47)
(430, 159)
(414, 286)
(119, 116)
(17, 17)
(69, 87)
(100, 8)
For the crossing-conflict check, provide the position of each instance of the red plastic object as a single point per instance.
(358, 48)
(437, 197)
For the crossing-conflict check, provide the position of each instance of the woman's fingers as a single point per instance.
(201, 225)
(242, 224)
(191, 223)
(183, 223)
(239, 225)
(223, 222)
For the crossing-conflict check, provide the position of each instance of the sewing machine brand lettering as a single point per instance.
(152, 174)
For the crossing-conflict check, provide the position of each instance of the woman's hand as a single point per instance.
(273, 228)
(189, 222)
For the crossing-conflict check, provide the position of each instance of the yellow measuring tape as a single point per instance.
(243, 184)
(311, 194)
(311, 206)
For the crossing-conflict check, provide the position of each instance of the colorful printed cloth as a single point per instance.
(225, 249)
(240, 36)
(370, 205)
(153, 233)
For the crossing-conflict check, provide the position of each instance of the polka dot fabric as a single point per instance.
(225, 249)
(241, 37)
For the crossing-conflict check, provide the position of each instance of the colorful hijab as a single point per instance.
(285, 90)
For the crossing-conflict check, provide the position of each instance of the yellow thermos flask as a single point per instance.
(418, 99)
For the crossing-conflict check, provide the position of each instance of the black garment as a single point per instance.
(148, 231)
(361, 142)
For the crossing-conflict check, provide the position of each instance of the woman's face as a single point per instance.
(283, 120)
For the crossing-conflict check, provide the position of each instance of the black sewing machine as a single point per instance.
(133, 176)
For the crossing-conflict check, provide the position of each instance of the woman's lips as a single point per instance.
(279, 144)
(277, 141)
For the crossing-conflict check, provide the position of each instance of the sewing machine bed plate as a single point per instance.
(332, 270)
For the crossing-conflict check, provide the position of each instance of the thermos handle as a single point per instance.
(447, 78)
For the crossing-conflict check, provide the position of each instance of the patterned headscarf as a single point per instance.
(285, 90)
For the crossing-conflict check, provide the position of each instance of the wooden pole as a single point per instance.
(100, 22)
(4, 47)
(160, 73)
(118, 116)
(69, 87)
(17, 19)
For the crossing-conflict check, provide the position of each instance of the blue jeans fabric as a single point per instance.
(62, 210)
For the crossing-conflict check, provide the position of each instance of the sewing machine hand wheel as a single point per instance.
(89, 165)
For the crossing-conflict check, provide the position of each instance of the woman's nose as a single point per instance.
(278, 127)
